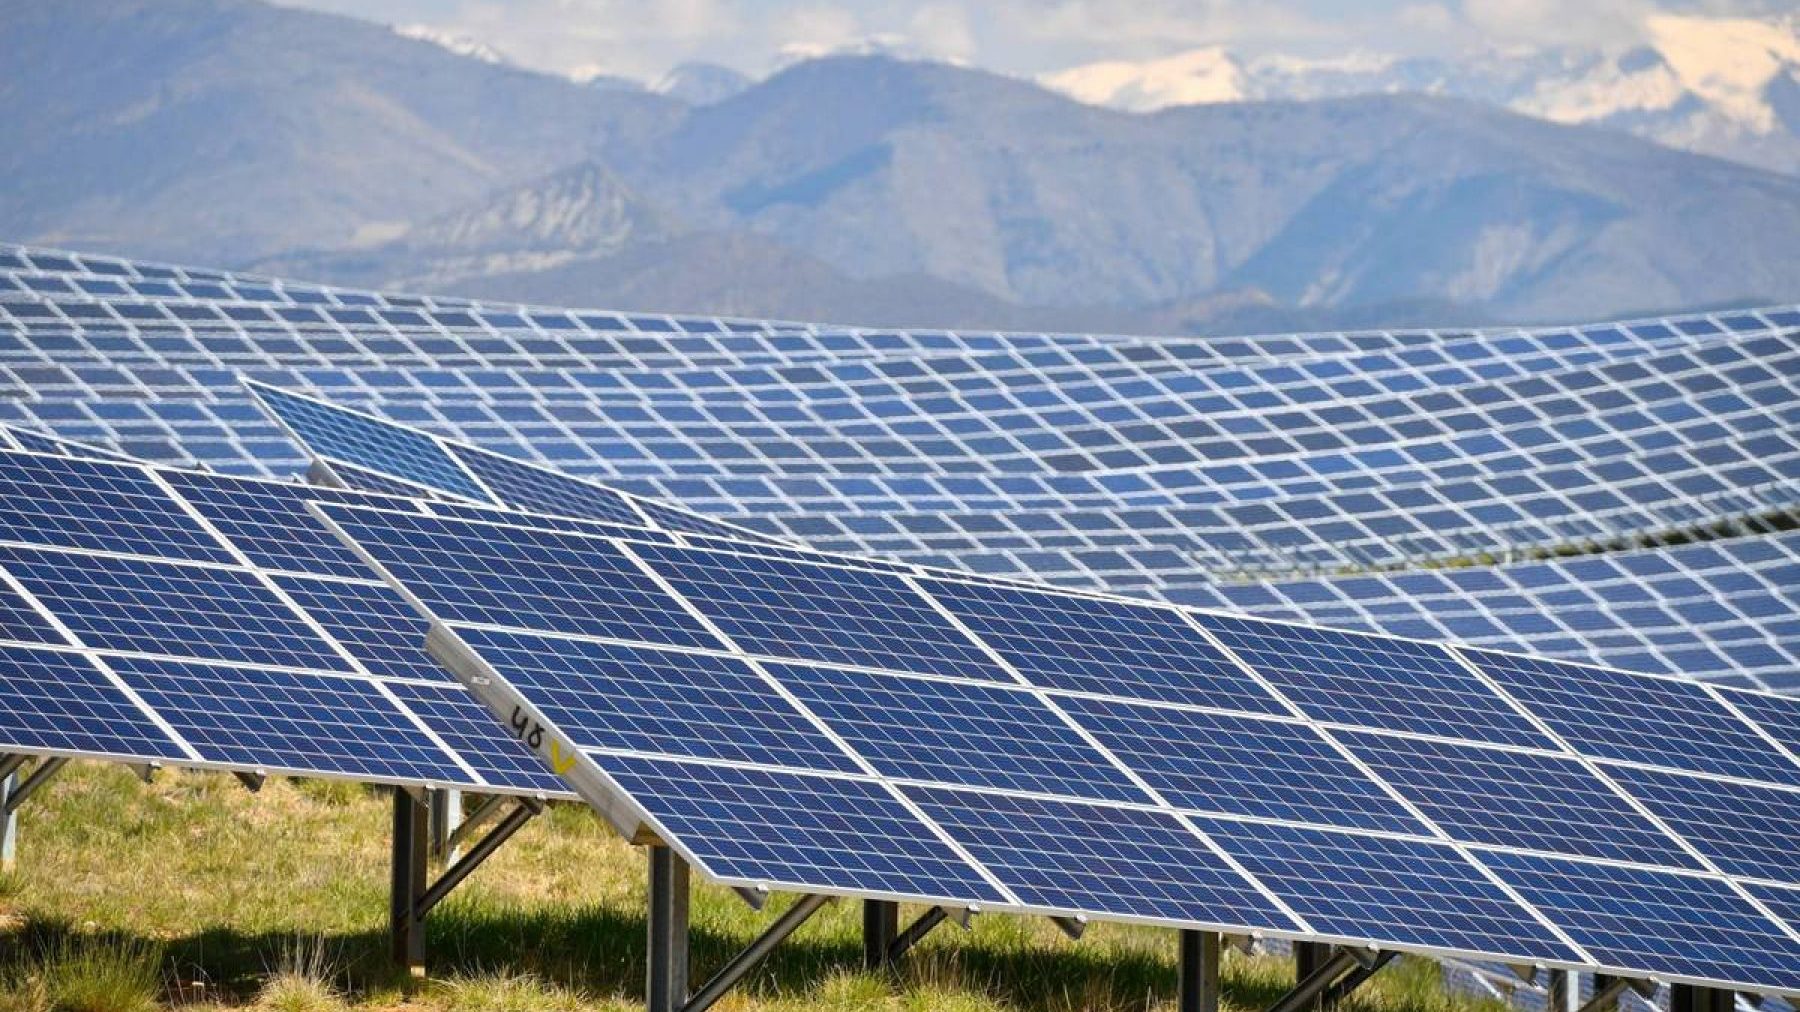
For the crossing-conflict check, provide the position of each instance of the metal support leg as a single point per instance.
(1564, 992)
(9, 823)
(1308, 957)
(881, 927)
(446, 815)
(1197, 980)
(408, 882)
(666, 976)
(1689, 998)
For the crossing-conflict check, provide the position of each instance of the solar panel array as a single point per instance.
(803, 723)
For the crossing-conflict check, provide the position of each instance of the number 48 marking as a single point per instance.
(532, 734)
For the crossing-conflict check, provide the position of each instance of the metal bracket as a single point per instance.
(1074, 927)
(1608, 991)
(251, 781)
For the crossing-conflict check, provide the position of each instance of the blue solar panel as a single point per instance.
(363, 479)
(543, 491)
(163, 608)
(1106, 647)
(806, 611)
(1083, 858)
(959, 733)
(639, 699)
(672, 519)
(1350, 678)
(364, 442)
(1519, 799)
(372, 620)
(61, 702)
(1658, 721)
(509, 576)
(21, 623)
(255, 717)
(1744, 829)
(816, 832)
(1656, 921)
(96, 505)
(471, 731)
(1779, 716)
(1223, 763)
(37, 442)
(268, 521)
(1386, 889)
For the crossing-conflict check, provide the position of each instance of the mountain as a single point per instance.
(857, 188)
(225, 130)
(701, 83)
(1728, 87)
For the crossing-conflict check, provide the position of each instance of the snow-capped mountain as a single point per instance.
(461, 45)
(1721, 86)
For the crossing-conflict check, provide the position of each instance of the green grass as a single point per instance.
(192, 891)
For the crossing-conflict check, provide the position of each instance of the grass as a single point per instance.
(191, 891)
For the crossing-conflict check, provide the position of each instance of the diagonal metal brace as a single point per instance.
(12, 764)
(1341, 988)
(481, 851)
(915, 932)
(474, 821)
(41, 775)
(1342, 961)
(1614, 989)
(754, 953)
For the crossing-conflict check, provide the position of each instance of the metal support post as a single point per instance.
(881, 927)
(754, 953)
(1308, 990)
(9, 823)
(408, 882)
(446, 815)
(1563, 992)
(1691, 998)
(1197, 979)
(1308, 957)
(666, 976)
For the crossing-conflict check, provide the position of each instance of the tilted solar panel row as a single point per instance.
(849, 731)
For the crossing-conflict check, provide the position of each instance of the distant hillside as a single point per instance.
(849, 188)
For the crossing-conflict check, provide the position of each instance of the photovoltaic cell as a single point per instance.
(60, 701)
(759, 826)
(150, 607)
(37, 442)
(1107, 647)
(806, 611)
(509, 576)
(639, 699)
(1350, 678)
(536, 489)
(1656, 721)
(1744, 829)
(96, 505)
(255, 717)
(362, 479)
(365, 442)
(1271, 769)
(689, 523)
(1778, 716)
(372, 620)
(472, 730)
(1519, 799)
(1083, 858)
(966, 734)
(1633, 918)
(1386, 889)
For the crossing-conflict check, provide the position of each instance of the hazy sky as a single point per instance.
(1017, 36)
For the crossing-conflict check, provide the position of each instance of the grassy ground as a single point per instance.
(190, 890)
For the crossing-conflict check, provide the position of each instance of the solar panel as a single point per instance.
(1681, 925)
(349, 437)
(1071, 801)
(1743, 828)
(58, 701)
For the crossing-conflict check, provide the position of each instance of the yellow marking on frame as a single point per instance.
(559, 762)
